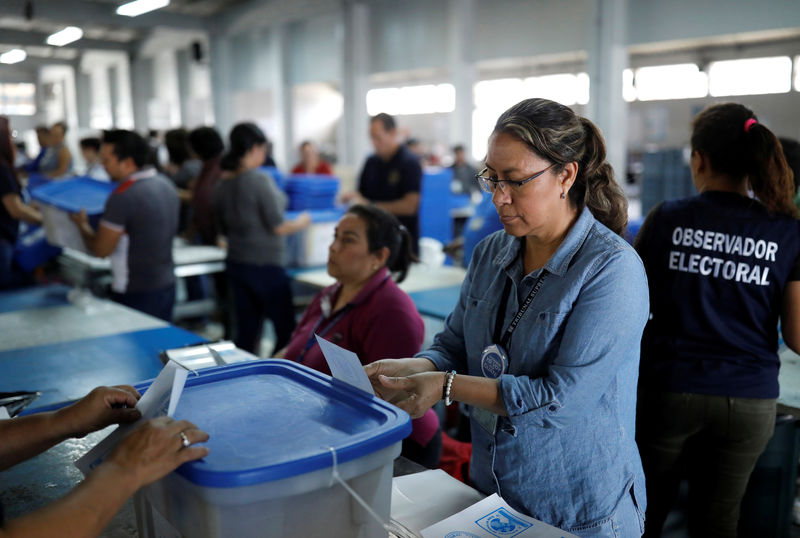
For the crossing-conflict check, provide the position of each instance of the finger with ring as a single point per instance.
(184, 440)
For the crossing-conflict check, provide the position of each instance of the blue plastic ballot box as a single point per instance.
(276, 428)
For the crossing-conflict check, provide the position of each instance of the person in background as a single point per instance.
(463, 173)
(366, 312)
(543, 343)
(12, 210)
(182, 167)
(391, 178)
(153, 449)
(723, 269)
(56, 163)
(90, 150)
(137, 227)
(207, 145)
(310, 162)
(43, 137)
(791, 151)
(249, 208)
(268, 160)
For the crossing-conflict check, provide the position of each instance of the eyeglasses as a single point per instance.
(489, 184)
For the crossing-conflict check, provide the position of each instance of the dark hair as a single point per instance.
(791, 151)
(91, 142)
(305, 143)
(384, 230)
(61, 124)
(555, 133)
(7, 146)
(128, 144)
(177, 143)
(242, 139)
(386, 120)
(206, 142)
(458, 147)
(745, 152)
(42, 129)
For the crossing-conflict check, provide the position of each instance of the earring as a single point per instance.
(563, 195)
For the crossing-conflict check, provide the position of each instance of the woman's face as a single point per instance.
(349, 259)
(532, 208)
(254, 157)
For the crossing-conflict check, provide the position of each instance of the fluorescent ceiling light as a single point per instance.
(13, 56)
(138, 7)
(67, 35)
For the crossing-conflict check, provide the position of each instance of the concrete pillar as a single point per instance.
(142, 90)
(461, 59)
(281, 95)
(607, 58)
(183, 60)
(113, 93)
(221, 73)
(84, 94)
(353, 131)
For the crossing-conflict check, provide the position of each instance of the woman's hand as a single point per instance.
(156, 448)
(394, 368)
(414, 394)
(100, 408)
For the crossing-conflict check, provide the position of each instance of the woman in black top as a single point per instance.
(12, 210)
(723, 270)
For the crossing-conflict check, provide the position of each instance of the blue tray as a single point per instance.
(75, 194)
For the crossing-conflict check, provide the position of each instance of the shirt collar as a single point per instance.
(142, 174)
(372, 284)
(560, 260)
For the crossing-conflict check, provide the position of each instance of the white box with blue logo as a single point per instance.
(274, 427)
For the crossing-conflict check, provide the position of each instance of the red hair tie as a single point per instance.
(749, 123)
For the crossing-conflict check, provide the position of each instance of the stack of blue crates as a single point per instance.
(435, 204)
(280, 179)
(666, 176)
(311, 191)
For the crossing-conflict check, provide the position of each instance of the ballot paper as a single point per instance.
(492, 518)
(345, 365)
(160, 399)
(3, 413)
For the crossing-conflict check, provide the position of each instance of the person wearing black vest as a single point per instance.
(723, 269)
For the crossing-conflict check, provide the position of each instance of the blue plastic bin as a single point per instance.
(272, 425)
(309, 248)
(32, 249)
(276, 174)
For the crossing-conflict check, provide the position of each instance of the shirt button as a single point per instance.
(491, 449)
(541, 316)
(552, 408)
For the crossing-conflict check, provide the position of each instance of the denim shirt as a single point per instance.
(566, 452)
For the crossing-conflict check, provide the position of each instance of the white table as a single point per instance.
(420, 278)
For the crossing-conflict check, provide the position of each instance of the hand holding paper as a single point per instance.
(345, 365)
(160, 399)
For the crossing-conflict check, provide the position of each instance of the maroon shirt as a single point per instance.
(381, 322)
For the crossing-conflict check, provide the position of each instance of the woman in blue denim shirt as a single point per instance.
(553, 411)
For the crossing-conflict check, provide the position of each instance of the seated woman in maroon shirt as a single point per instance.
(310, 161)
(365, 312)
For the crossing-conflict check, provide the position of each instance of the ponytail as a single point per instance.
(736, 145)
(242, 138)
(603, 195)
(770, 176)
(384, 230)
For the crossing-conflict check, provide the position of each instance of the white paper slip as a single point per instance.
(160, 399)
(345, 365)
(493, 518)
(4, 413)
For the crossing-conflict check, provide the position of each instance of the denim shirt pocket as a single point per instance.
(479, 319)
(539, 343)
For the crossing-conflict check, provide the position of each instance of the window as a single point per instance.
(565, 88)
(678, 81)
(18, 99)
(425, 99)
(751, 76)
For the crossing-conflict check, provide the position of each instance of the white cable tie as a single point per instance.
(336, 477)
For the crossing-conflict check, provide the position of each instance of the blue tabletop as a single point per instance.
(68, 370)
(33, 297)
(436, 303)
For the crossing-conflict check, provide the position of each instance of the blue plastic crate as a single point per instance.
(32, 249)
(72, 195)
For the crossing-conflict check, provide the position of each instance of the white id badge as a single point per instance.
(486, 419)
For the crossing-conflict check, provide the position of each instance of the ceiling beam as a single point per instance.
(77, 13)
(32, 63)
(39, 39)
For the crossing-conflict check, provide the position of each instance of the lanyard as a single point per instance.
(498, 326)
(312, 339)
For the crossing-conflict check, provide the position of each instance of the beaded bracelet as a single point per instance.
(448, 384)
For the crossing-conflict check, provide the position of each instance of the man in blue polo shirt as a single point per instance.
(138, 224)
(391, 177)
